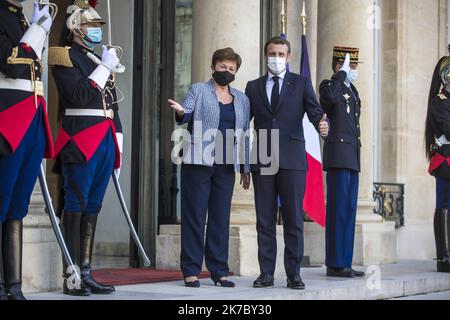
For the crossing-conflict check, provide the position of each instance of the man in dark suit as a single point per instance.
(342, 161)
(279, 101)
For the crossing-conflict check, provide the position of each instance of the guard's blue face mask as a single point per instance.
(93, 38)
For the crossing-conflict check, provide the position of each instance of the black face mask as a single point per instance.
(223, 78)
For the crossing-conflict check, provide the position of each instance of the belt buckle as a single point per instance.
(109, 114)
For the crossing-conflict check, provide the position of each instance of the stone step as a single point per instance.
(405, 279)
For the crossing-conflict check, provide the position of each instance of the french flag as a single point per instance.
(314, 201)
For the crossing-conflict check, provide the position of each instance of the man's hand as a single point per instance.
(42, 17)
(346, 65)
(110, 59)
(177, 107)
(324, 127)
(245, 181)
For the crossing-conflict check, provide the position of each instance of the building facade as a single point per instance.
(168, 45)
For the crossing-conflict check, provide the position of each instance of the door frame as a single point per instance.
(145, 137)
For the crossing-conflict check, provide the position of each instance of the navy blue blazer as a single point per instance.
(297, 98)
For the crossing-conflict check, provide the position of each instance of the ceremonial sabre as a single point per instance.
(135, 236)
(55, 224)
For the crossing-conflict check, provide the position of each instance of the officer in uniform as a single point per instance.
(89, 144)
(342, 161)
(24, 131)
(438, 152)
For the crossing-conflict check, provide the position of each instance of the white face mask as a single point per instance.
(276, 65)
(352, 76)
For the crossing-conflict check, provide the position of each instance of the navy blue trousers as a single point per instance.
(85, 184)
(342, 202)
(290, 187)
(442, 193)
(19, 172)
(206, 194)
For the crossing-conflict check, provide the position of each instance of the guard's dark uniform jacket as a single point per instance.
(18, 61)
(80, 136)
(342, 148)
(440, 121)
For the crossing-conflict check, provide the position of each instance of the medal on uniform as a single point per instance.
(347, 97)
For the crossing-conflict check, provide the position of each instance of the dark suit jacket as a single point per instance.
(297, 98)
(342, 148)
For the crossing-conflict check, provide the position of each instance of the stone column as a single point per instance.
(218, 24)
(414, 38)
(232, 23)
(352, 25)
(42, 264)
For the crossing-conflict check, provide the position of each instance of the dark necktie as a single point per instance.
(275, 94)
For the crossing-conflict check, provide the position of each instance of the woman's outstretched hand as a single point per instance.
(177, 107)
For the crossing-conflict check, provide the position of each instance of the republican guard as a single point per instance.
(342, 161)
(90, 142)
(438, 152)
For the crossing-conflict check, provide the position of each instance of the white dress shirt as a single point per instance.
(270, 83)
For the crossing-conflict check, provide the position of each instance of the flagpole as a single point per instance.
(304, 18)
(283, 17)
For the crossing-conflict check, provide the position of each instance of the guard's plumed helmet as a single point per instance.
(82, 12)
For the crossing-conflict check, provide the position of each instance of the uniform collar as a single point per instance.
(282, 75)
(77, 46)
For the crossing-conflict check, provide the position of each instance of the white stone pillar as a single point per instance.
(351, 24)
(42, 264)
(414, 39)
(348, 25)
(218, 24)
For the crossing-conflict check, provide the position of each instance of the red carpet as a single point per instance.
(121, 277)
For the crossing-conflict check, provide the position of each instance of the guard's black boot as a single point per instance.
(88, 227)
(442, 235)
(70, 227)
(12, 258)
(3, 294)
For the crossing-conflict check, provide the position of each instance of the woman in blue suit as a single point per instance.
(215, 149)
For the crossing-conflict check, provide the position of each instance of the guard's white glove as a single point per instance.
(109, 61)
(37, 33)
(42, 17)
(346, 65)
(119, 137)
(109, 58)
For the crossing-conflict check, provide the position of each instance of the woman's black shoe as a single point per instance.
(223, 283)
(192, 284)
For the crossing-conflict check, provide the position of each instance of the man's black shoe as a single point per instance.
(264, 281)
(358, 274)
(340, 273)
(295, 283)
